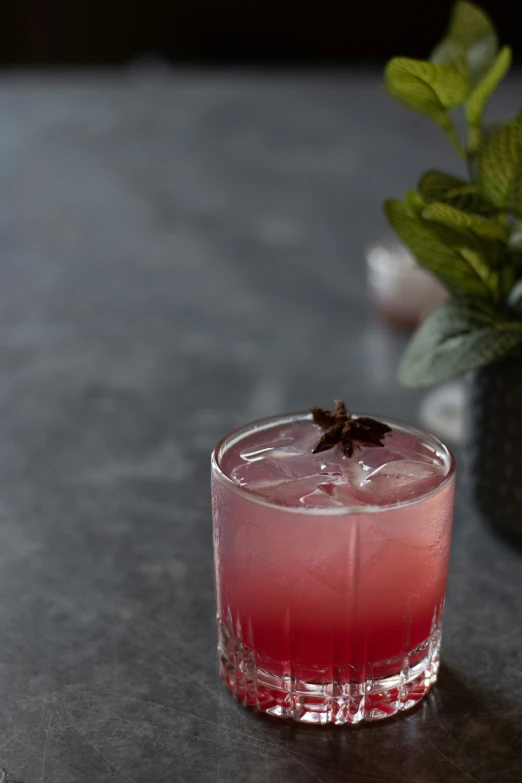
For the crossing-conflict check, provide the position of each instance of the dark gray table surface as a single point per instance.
(181, 253)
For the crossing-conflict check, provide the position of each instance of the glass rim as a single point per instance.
(351, 510)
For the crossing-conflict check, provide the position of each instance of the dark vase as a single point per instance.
(492, 454)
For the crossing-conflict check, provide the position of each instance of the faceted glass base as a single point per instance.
(330, 702)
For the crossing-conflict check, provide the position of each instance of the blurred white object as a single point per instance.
(401, 290)
(441, 412)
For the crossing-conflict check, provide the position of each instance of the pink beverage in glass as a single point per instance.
(330, 570)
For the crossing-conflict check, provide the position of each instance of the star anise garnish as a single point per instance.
(341, 427)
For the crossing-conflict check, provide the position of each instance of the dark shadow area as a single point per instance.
(59, 33)
(459, 732)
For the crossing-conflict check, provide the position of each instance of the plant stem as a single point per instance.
(452, 133)
(470, 165)
(474, 140)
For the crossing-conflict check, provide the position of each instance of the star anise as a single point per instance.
(341, 427)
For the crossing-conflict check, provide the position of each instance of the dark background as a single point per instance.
(61, 32)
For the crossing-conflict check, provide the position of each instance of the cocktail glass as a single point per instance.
(330, 571)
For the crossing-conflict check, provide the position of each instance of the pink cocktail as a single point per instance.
(330, 570)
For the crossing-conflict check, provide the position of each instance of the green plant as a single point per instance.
(467, 232)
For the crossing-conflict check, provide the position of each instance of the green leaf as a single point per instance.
(415, 202)
(436, 186)
(427, 88)
(438, 248)
(470, 43)
(468, 199)
(460, 335)
(478, 99)
(448, 52)
(500, 168)
(448, 215)
(469, 24)
(481, 265)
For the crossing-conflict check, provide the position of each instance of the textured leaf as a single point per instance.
(470, 43)
(448, 215)
(436, 186)
(415, 202)
(426, 88)
(480, 57)
(449, 52)
(460, 335)
(480, 263)
(469, 24)
(438, 249)
(500, 167)
(469, 199)
(478, 99)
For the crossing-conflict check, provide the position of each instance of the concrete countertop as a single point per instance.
(181, 253)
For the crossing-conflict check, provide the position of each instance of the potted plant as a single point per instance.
(467, 231)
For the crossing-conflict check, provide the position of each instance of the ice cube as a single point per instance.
(264, 451)
(319, 498)
(269, 465)
(397, 480)
(300, 445)
(412, 470)
(371, 458)
(285, 445)
(260, 475)
(410, 446)
(295, 489)
(319, 490)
